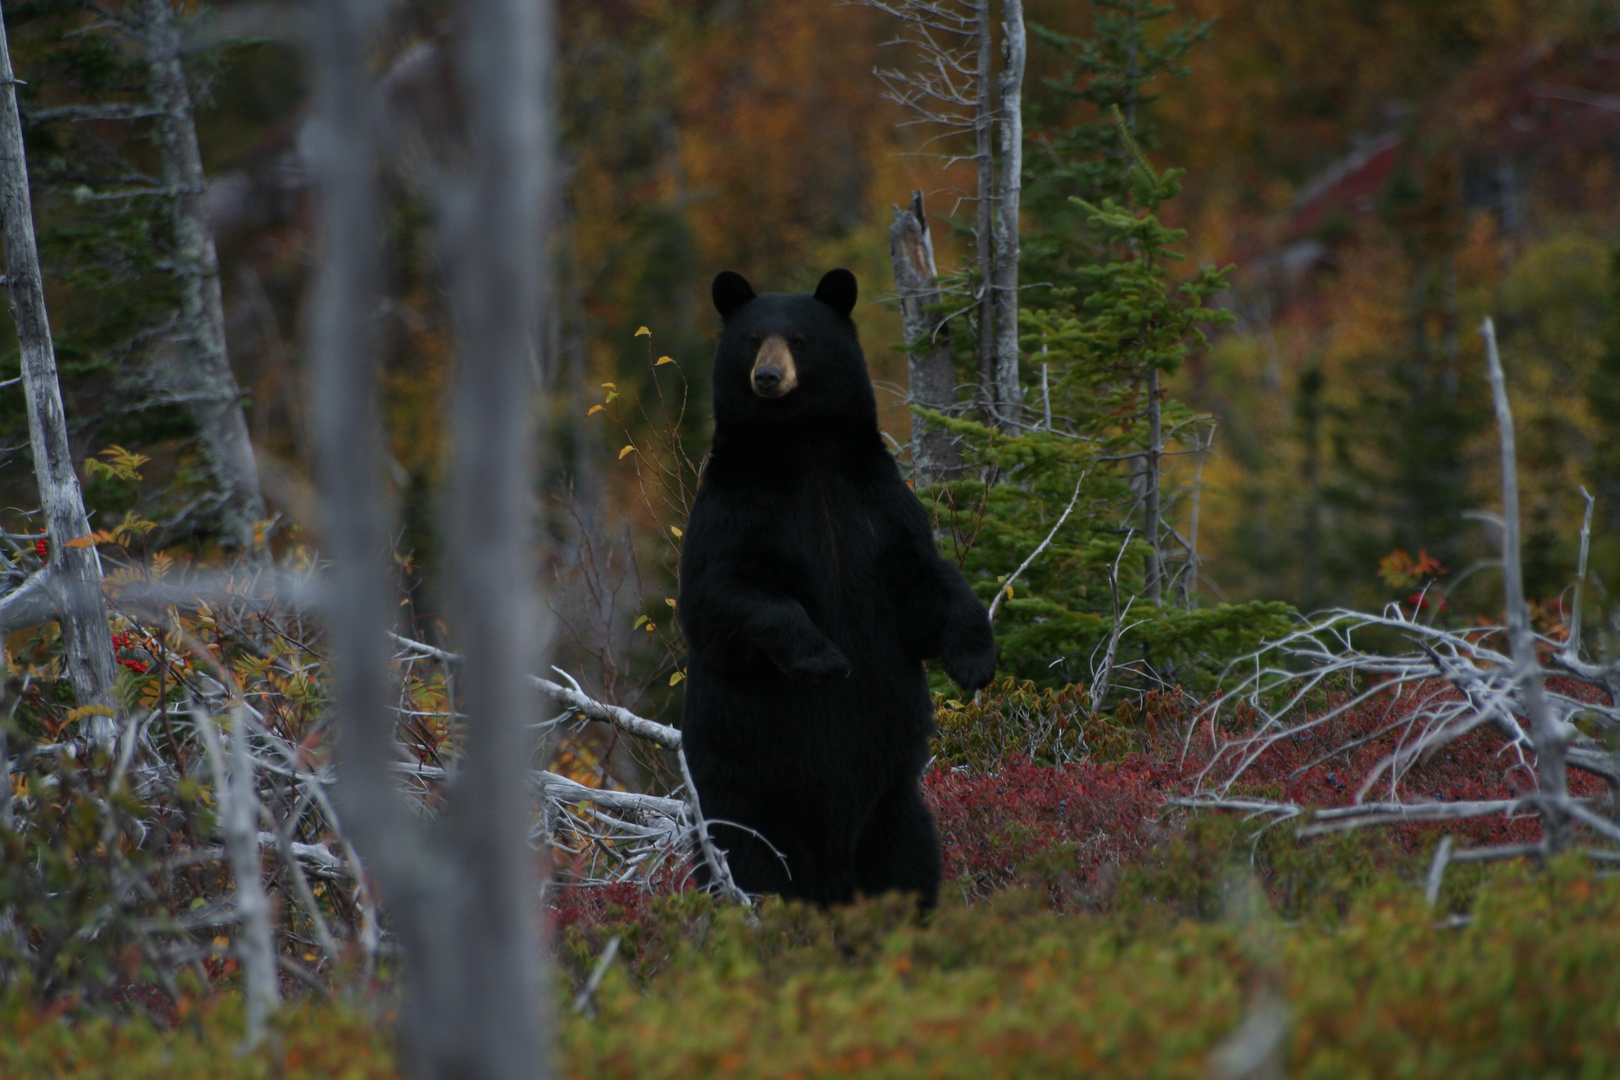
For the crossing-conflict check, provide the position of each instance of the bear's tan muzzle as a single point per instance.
(774, 375)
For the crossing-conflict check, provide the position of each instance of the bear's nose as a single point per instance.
(766, 379)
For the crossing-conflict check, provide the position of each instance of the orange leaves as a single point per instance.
(1399, 570)
(101, 536)
(122, 533)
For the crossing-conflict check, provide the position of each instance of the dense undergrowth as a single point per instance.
(1528, 985)
(1087, 929)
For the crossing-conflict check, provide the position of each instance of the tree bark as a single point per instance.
(934, 453)
(495, 248)
(984, 238)
(463, 893)
(1153, 462)
(239, 806)
(1009, 186)
(1547, 732)
(216, 399)
(343, 348)
(74, 572)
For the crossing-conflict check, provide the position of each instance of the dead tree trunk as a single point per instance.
(1009, 185)
(74, 573)
(1152, 470)
(934, 454)
(984, 238)
(1547, 732)
(463, 895)
(211, 390)
(495, 247)
(239, 820)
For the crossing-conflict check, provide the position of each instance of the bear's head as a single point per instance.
(790, 362)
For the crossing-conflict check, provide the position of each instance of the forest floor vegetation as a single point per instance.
(1086, 929)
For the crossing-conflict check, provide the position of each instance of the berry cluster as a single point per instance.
(131, 640)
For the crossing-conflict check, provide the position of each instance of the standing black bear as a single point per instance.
(811, 593)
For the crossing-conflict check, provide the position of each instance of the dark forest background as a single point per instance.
(1381, 174)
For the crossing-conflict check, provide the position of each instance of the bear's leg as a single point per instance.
(899, 848)
(759, 846)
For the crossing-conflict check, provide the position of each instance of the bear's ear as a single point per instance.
(838, 290)
(731, 291)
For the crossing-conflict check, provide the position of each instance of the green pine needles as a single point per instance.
(1110, 598)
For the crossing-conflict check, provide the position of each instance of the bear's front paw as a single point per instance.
(828, 663)
(971, 670)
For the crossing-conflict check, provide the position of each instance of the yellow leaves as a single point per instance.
(1008, 589)
(249, 668)
(642, 331)
(677, 677)
(663, 360)
(593, 410)
(612, 392)
(133, 526)
(120, 464)
(629, 449)
(676, 532)
(668, 601)
(642, 620)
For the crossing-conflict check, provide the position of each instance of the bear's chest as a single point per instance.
(831, 529)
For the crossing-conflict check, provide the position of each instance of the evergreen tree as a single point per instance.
(1116, 67)
(1094, 604)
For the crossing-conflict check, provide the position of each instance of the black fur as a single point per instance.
(811, 592)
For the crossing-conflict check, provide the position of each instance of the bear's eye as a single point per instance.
(796, 341)
(753, 342)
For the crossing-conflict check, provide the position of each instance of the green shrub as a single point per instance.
(1528, 986)
(312, 1040)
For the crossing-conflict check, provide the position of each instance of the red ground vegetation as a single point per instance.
(1082, 823)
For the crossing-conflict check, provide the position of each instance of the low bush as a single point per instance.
(1084, 931)
(1528, 985)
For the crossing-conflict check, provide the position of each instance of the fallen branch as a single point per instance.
(651, 730)
(574, 698)
(715, 858)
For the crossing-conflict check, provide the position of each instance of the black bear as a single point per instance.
(811, 592)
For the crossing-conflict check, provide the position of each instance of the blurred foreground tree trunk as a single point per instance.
(73, 574)
(461, 891)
